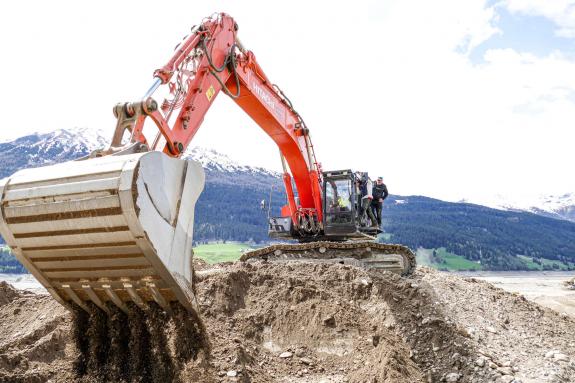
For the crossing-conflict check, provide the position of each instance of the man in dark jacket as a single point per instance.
(365, 199)
(379, 193)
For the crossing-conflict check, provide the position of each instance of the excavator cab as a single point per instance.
(342, 213)
(340, 203)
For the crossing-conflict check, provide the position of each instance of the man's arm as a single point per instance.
(385, 193)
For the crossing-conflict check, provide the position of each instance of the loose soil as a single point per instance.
(294, 322)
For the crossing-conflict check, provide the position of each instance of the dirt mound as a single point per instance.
(7, 293)
(34, 342)
(300, 322)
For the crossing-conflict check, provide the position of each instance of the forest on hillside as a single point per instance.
(229, 210)
(493, 237)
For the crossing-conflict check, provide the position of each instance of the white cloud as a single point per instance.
(561, 12)
(385, 86)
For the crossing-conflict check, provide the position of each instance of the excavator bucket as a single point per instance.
(115, 228)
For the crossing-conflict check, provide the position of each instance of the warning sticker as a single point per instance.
(210, 92)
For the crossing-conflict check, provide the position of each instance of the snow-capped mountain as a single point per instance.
(39, 149)
(229, 207)
(560, 206)
(213, 160)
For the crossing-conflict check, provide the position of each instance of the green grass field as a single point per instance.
(445, 260)
(545, 264)
(220, 252)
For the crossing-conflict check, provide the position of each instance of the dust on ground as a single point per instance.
(296, 322)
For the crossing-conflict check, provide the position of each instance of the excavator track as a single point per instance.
(367, 254)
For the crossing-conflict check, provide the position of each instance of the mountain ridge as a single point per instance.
(66, 144)
(559, 206)
(229, 208)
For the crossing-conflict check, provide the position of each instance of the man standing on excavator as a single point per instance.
(365, 186)
(379, 193)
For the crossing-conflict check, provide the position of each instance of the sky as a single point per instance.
(450, 99)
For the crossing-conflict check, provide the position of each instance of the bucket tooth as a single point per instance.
(70, 292)
(159, 298)
(95, 298)
(135, 296)
(115, 298)
(107, 220)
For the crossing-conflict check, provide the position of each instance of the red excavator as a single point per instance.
(117, 226)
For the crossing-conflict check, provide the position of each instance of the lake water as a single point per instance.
(543, 287)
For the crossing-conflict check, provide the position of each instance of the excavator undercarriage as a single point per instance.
(366, 254)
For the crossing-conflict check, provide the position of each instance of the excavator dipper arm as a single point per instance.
(210, 61)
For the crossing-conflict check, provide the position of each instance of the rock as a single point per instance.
(550, 354)
(329, 321)
(480, 362)
(232, 373)
(305, 360)
(491, 329)
(492, 365)
(299, 352)
(375, 340)
(561, 357)
(452, 377)
(505, 370)
(507, 379)
(426, 321)
(286, 354)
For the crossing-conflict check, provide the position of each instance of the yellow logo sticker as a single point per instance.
(210, 93)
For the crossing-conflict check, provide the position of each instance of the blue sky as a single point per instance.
(535, 34)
